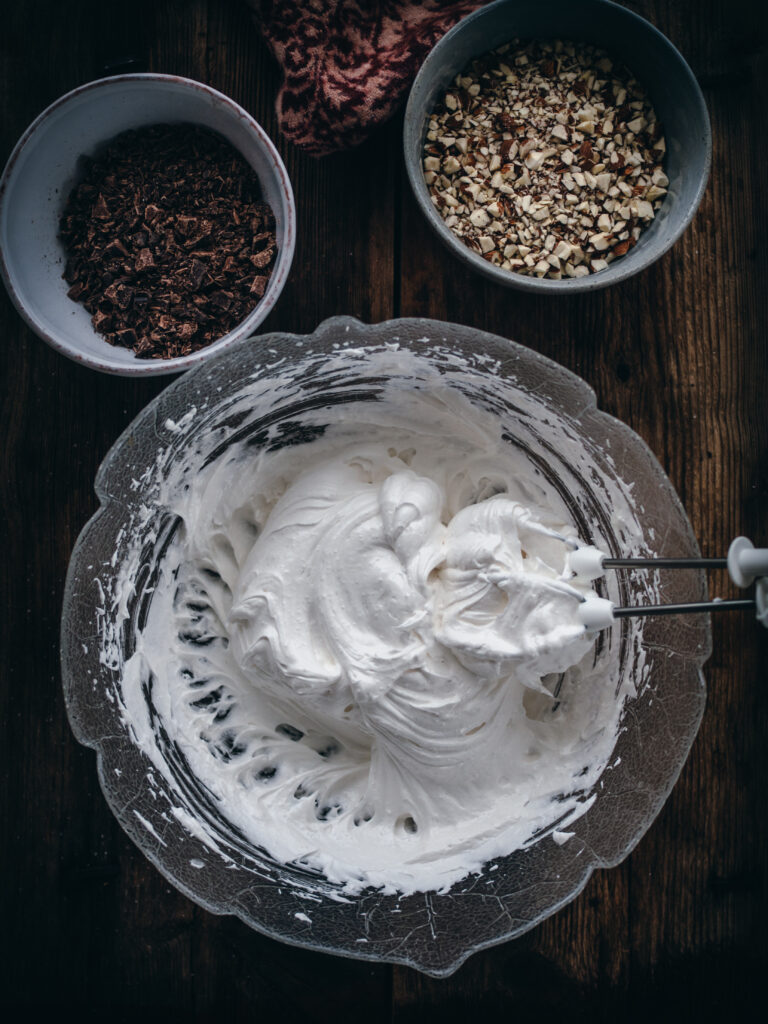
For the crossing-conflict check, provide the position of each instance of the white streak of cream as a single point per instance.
(150, 828)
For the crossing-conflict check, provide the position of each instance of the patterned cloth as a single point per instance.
(347, 64)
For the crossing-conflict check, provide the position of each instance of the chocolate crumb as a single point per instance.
(162, 236)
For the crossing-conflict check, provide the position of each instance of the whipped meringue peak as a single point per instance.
(369, 645)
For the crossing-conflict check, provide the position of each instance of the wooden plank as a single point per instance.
(705, 858)
(680, 354)
(96, 926)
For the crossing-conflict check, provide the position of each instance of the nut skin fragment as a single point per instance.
(545, 158)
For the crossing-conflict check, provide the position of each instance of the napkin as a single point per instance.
(347, 64)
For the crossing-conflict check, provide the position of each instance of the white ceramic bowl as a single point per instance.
(43, 168)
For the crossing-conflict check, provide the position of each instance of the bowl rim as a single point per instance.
(412, 135)
(155, 367)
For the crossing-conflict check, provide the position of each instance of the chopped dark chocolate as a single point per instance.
(163, 235)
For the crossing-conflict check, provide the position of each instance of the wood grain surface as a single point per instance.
(680, 353)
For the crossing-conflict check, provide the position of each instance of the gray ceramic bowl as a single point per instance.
(661, 69)
(43, 168)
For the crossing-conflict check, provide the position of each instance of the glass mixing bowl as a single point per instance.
(171, 816)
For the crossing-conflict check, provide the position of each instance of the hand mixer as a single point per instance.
(745, 563)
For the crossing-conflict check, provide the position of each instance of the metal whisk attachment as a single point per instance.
(745, 563)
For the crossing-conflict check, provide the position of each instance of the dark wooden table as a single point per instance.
(680, 353)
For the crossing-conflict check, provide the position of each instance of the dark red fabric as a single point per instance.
(348, 63)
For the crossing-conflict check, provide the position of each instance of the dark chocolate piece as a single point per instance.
(169, 243)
